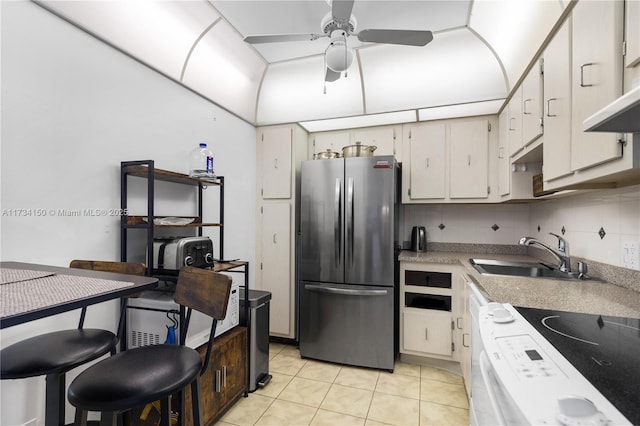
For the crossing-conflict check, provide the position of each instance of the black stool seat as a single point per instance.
(135, 377)
(55, 352)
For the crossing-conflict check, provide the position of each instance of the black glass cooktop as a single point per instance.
(604, 349)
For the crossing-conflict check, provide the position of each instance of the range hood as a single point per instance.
(621, 115)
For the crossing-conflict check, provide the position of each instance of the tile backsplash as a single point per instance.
(596, 223)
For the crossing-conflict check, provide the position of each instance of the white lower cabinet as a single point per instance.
(430, 305)
(427, 331)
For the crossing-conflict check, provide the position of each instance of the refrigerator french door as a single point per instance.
(347, 233)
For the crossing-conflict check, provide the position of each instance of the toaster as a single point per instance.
(174, 253)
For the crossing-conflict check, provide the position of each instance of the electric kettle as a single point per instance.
(418, 239)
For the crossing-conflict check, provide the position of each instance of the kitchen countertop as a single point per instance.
(592, 297)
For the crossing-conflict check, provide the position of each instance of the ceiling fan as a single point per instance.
(338, 25)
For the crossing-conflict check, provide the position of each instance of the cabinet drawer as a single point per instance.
(427, 279)
(427, 301)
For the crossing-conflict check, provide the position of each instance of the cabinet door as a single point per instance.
(276, 162)
(557, 93)
(504, 163)
(597, 77)
(532, 105)
(632, 58)
(333, 142)
(427, 162)
(469, 159)
(383, 138)
(427, 331)
(515, 122)
(276, 264)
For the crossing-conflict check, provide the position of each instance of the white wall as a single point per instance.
(72, 109)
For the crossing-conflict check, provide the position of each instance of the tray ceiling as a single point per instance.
(479, 51)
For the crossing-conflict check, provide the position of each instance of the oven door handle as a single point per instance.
(485, 367)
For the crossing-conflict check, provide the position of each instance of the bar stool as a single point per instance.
(53, 354)
(146, 374)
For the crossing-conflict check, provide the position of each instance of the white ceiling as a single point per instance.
(480, 50)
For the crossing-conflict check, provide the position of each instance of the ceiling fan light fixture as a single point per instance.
(339, 56)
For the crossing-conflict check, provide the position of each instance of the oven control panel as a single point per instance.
(527, 360)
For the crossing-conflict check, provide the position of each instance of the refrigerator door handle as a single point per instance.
(350, 220)
(344, 291)
(337, 222)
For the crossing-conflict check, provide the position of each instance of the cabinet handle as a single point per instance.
(549, 107)
(427, 162)
(426, 334)
(501, 152)
(468, 160)
(218, 380)
(458, 319)
(510, 126)
(275, 163)
(582, 74)
(224, 376)
(465, 336)
(275, 240)
(524, 106)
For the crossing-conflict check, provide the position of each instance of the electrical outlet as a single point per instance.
(631, 255)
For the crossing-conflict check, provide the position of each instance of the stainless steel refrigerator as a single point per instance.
(347, 290)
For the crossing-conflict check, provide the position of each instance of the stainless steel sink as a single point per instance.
(520, 269)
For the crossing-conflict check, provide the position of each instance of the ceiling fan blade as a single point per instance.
(331, 75)
(278, 38)
(341, 10)
(406, 37)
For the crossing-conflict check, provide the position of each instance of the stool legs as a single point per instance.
(195, 402)
(54, 399)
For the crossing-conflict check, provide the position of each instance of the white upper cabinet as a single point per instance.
(383, 138)
(597, 77)
(276, 162)
(514, 128)
(557, 105)
(469, 159)
(426, 160)
(532, 105)
(330, 141)
(504, 163)
(632, 58)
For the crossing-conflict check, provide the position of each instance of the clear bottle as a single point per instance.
(201, 162)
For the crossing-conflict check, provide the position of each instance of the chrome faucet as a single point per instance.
(561, 253)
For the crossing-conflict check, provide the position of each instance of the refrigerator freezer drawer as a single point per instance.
(347, 324)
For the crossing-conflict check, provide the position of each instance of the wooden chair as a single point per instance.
(53, 354)
(145, 374)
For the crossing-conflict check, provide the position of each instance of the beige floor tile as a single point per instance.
(221, 423)
(274, 349)
(370, 422)
(282, 413)
(286, 364)
(329, 418)
(394, 410)
(443, 393)
(305, 391)
(248, 410)
(406, 369)
(433, 373)
(275, 386)
(347, 400)
(290, 350)
(442, 415)
(361, 378)
(322, 371)
(397, 384)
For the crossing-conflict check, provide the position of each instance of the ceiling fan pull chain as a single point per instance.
(344, 36)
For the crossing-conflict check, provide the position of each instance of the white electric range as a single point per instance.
(519, 377)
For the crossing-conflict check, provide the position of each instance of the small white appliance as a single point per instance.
(518, 377)
(147, 319)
